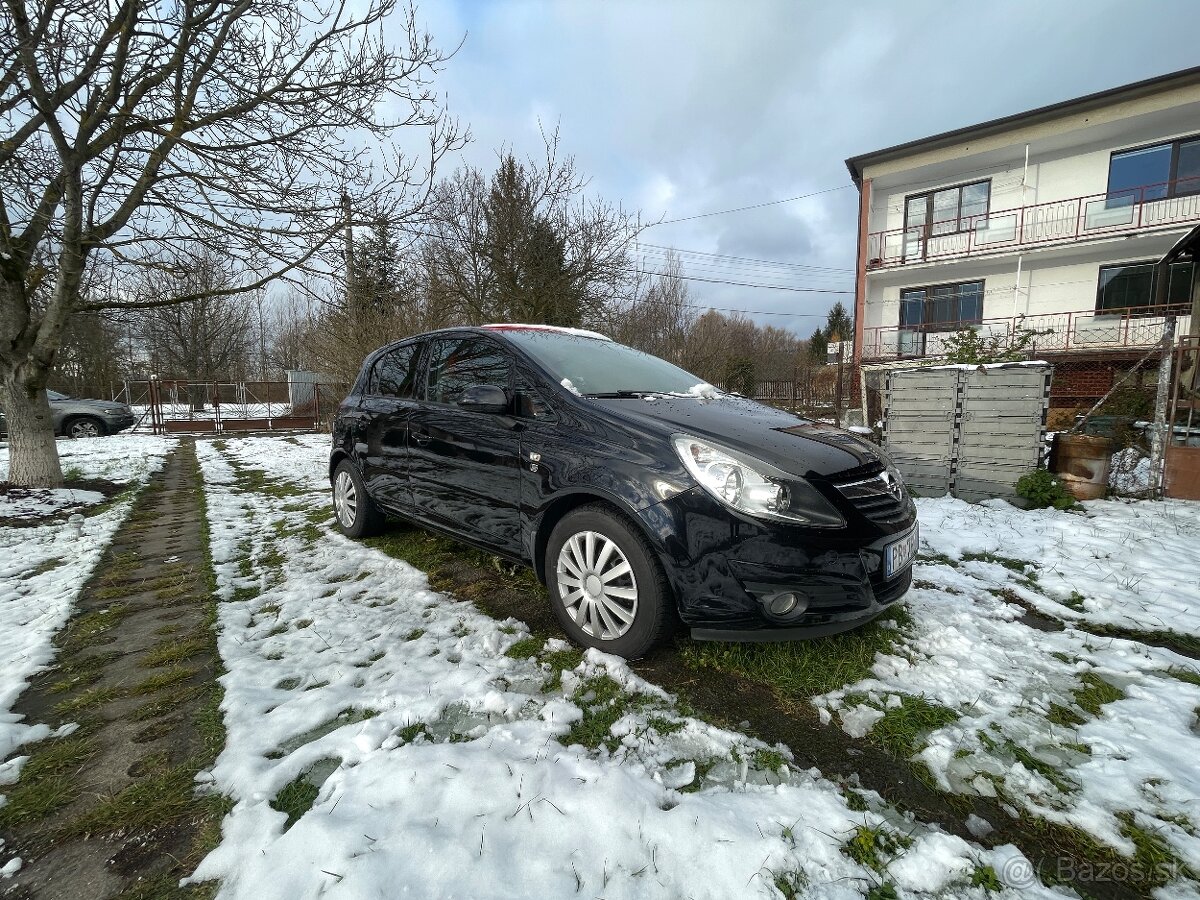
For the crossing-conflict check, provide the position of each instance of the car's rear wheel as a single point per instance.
(607, 589)
(83, 427)
(356, 514)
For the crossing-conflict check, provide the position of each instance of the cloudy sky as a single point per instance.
(683, 108)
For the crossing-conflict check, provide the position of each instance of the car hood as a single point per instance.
(792, 443)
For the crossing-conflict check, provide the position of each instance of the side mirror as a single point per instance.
(485, 398)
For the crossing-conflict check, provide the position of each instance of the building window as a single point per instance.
(948, 210)
(1129, 289)
(1170, 169)
(941, 307)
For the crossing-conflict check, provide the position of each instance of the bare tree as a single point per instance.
(658, 316)
(134, 135)
(210, 337)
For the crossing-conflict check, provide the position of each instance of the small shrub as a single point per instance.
(1041, 489)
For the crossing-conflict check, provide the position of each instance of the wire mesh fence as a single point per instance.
(177, 405)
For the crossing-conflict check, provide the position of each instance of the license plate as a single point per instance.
(898, 555)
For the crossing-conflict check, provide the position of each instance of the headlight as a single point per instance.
(754, 487)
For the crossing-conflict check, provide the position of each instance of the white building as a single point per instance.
(1047, 220)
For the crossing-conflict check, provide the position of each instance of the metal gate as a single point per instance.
(178, 406)
(967, 431)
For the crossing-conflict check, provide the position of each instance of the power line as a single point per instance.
(773, 287)
(771, 262)
(722, 212)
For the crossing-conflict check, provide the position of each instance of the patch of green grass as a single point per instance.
(885, 890)
(986, 878)
(1033, 764)
(296, 798)
(170, 653)
(791, 884)
(768, 760)
(49, 780)
(1015, 565)
(46, 565)
(525, 648)
(939, 559)
(414, 634)
(1184, 675)
(560, 660)
(166, 702)
(874, 847)
(1064, 716)
(1095, 692)
(903, 728)
(603, 702)
(665, 726)
(257, 481)
(856, 801)
(1154, 860)
(156, 800)
(434, 554)
(803, 668)
(1075, 601)
(409, 733)
(703, 767)
(83, 630)
(86, 700)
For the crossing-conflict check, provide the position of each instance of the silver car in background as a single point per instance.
(76, 418)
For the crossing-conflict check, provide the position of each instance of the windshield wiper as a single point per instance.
(620, 395)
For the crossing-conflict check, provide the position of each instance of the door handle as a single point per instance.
(420, 437)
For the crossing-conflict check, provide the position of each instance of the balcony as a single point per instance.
(1057, 222)
(1081, 331)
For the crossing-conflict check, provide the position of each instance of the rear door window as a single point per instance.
(395, 374)
(456, 364)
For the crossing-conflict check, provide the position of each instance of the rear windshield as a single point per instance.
(595, 367)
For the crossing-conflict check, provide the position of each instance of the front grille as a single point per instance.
(873, 497)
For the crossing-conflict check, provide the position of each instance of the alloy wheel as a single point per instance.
(84, 428)
(596, 585)
(345, 499)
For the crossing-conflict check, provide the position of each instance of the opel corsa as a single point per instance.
(639, 495)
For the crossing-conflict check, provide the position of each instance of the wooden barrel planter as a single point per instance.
(1082, 461)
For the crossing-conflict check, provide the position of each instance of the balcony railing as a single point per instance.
(1075, 331)
(1059, 221)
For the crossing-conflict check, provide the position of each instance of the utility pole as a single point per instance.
(349, 250)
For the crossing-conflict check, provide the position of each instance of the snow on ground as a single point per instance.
(1088, 731)
(1125, 563)
(443, 767)
(19, 503)
(43, 567)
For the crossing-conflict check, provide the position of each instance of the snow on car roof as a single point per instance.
(519, 326)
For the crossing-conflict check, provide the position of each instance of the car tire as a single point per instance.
(84, 427)
(606, 586)
(355, 513)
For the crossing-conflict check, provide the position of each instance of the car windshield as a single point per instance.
(599, 368)
(55, 395)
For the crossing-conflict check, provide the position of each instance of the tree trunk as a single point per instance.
(32, 455)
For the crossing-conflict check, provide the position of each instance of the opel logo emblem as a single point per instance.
(892, 486)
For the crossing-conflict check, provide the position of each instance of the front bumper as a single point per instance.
(724, 570)
(114, 424)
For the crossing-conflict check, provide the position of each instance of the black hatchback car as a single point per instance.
(638, 493)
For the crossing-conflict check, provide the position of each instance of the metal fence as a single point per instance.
(186, 406)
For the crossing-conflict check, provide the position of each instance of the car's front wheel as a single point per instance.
(607, 589)
(356, 514)
(84, 427)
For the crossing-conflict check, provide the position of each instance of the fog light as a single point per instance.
(782, 604)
